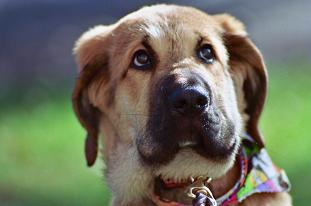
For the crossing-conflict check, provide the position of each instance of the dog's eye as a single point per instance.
(205, 53)
(141, 60)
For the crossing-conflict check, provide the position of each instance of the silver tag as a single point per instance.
(200, 193)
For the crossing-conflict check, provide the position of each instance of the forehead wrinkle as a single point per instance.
(176, 39)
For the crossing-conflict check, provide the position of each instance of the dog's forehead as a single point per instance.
(184, 14)
(168, 28)
(169, 21)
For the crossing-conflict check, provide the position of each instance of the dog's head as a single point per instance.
(170, 89)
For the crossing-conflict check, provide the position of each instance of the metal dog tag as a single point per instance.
(200, 193)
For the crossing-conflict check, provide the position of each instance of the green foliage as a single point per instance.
(286, 126)
(42, 162)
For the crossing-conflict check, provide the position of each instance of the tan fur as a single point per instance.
(116, 99)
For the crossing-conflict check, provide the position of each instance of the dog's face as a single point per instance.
(170, 89)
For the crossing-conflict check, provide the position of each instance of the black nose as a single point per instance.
(189, 101)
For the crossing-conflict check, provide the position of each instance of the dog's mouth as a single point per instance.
(171, 183)
(168, 190)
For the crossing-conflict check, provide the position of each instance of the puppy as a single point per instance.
(170, 91)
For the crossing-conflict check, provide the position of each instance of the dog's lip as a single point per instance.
(187, 144)
(227, 150)
(170, 183)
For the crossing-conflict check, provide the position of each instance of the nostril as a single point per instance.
(180, 104)
(201, 101)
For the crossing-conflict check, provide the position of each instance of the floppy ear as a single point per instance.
(92, 61)
(248, 72)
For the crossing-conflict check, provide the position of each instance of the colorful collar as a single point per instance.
(258, 175)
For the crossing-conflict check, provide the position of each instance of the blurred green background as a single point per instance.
(41, 142)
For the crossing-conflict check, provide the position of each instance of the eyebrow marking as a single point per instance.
(150, 50)
(154, 31)
(146, 44)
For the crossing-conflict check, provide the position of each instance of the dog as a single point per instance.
(170, 90)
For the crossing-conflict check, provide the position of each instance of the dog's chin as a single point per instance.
(188, 163)
(187, 166)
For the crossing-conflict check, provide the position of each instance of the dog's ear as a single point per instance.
(92, 59)
(248, 72)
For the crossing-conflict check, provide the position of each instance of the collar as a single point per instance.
(258, 175)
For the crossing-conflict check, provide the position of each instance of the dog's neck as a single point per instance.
(219, 186)
(223, 184)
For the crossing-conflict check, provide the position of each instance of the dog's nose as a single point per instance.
(189, 101)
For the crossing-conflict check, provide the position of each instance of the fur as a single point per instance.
(113, 101)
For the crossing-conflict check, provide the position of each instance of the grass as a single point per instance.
(286, 126)
(41, 146)
(42, 160)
